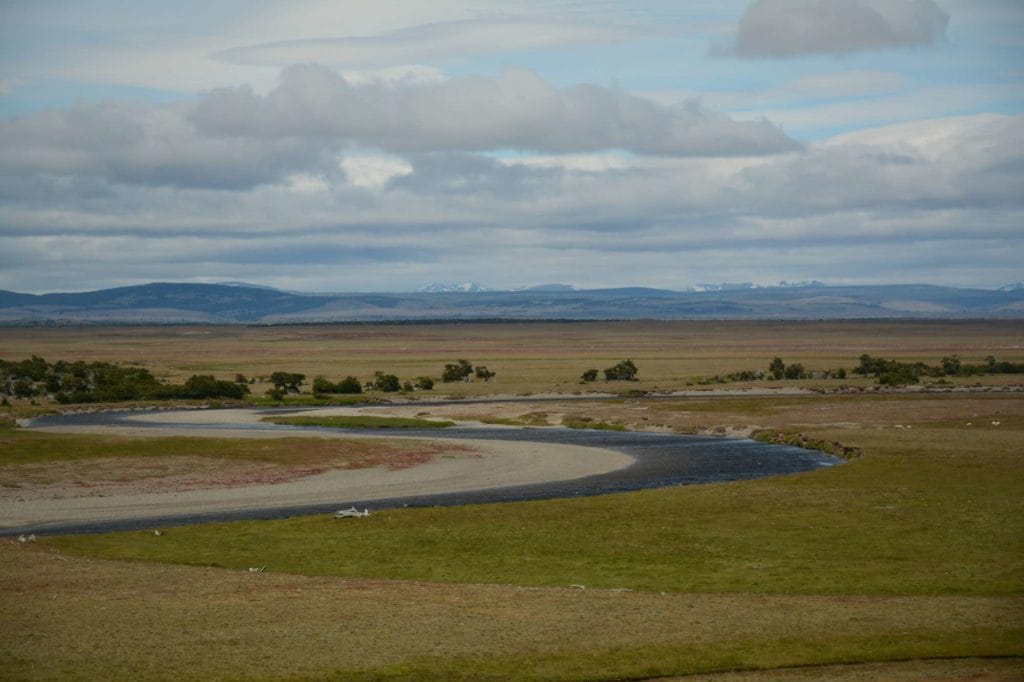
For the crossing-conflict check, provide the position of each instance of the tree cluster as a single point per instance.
(347, 385)
(90, 382)
(894, 372)
(780, 370)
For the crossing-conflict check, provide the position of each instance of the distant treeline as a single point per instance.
(886, 372)
(893, 372)
(93, 382)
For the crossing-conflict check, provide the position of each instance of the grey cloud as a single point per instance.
(471, 174)
(946, 188)
(146, 145)
(517, 110)
(788, 28)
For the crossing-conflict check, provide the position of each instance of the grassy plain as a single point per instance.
(911, 553)
(528, 357)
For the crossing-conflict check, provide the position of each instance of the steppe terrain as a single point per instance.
(906, 562)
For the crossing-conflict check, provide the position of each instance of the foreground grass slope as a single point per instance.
(926, 511)
(72, 617)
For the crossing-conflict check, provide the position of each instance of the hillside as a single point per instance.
(173, 303)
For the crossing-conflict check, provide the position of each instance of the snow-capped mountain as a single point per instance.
(449, 287)
(1016, 286)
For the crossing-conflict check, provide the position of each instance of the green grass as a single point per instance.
(362, 422)
(528, 419)
(933, 511)
(18, 446)
(304, 399)
(591, 423)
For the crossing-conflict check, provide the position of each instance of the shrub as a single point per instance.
(624, 371)
(457, 371)
(388, 383)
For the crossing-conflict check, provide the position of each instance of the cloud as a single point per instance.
(927, 196)
(146, 145)
(429, 41)
(790, 28)
(518, 110)
(478, 176)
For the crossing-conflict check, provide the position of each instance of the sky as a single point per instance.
(375, 145)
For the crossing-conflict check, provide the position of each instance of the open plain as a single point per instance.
(907, 562)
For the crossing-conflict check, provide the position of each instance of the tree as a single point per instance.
(457, 371)
(483, 373)
(777, 368)
(388, 383)
(425, 383)
(589, 375)
(624, 371)
(348, 385)
(795, 371)
(951, 365)
(322, 385)
(287, 382)
(201, 386)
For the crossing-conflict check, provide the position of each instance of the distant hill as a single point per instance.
(176, 303)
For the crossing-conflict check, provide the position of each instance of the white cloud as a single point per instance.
(373, 170)
(788, 28)
(430, 41)
(518, 110)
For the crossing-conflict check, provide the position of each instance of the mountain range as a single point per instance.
(240, 303)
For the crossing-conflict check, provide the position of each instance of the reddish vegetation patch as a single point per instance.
(265, 463)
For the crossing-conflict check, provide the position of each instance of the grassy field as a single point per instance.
(905, 563)
(528, 357)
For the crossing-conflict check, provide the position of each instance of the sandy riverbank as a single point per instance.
(493, 464)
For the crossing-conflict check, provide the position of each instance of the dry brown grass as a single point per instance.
(528, 357)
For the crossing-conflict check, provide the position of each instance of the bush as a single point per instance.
(287, 382)
(425, 383)
(388, 383)
(206, 386)
(457, 371)
(795, 371)
(624, 371)
(589, 375)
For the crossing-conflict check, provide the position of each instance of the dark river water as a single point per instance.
(659, 460)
